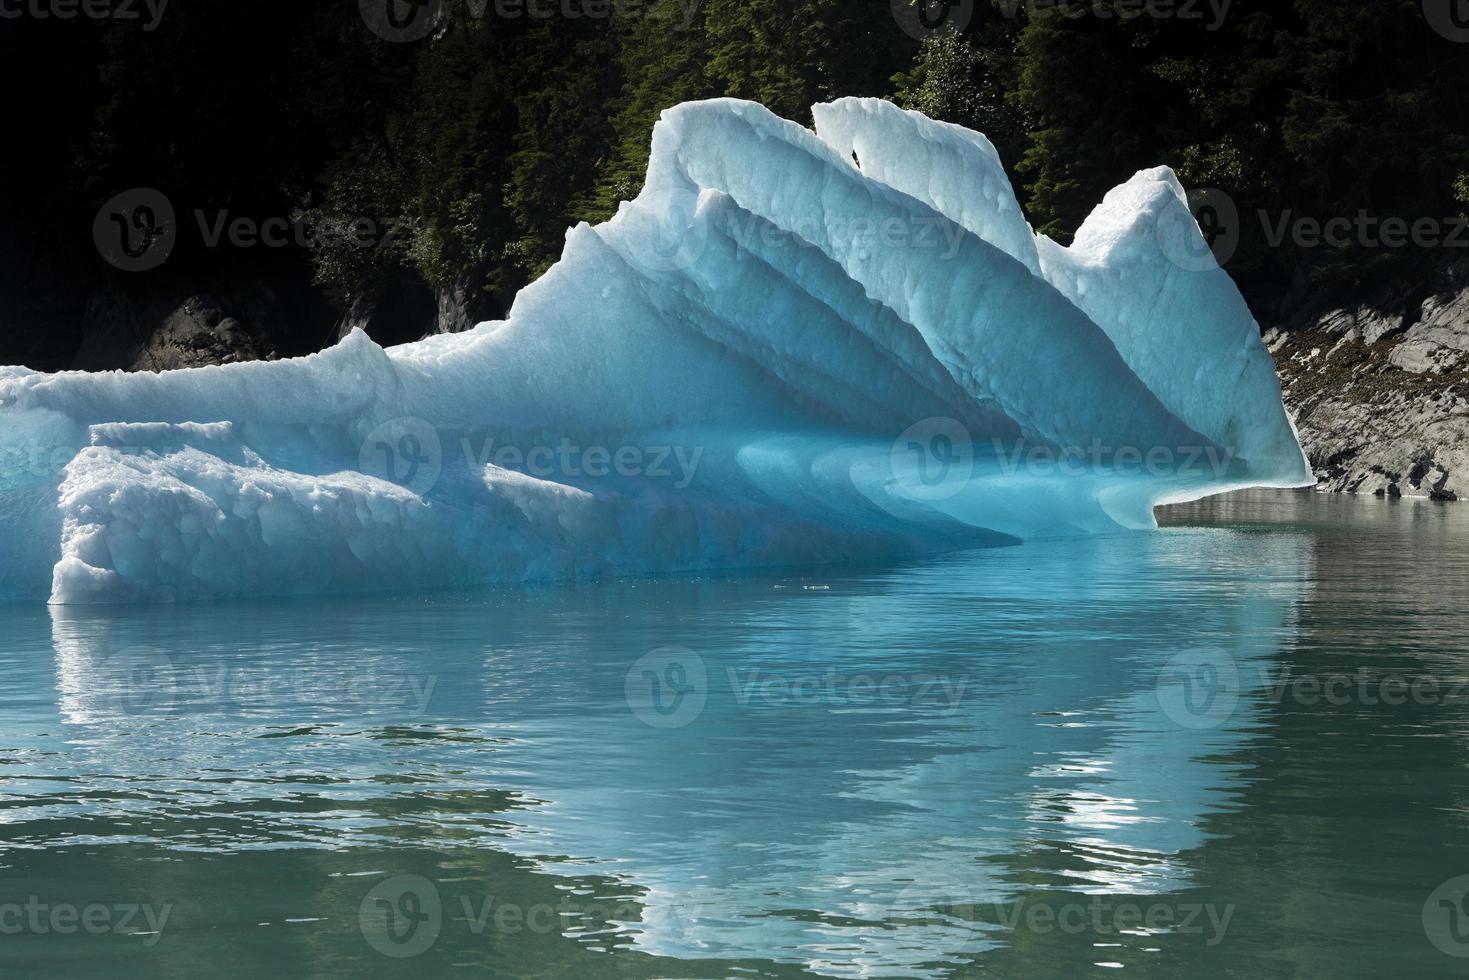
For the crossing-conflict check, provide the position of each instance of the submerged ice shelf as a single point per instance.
(792, 347)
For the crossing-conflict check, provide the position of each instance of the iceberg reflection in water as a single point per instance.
(861, 774)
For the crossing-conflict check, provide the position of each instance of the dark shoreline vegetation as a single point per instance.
(413, 186)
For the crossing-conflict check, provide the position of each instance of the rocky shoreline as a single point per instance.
(1380, 393)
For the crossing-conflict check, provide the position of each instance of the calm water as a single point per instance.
(1235, 747)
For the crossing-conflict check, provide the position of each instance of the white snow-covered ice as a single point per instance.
(791, 348)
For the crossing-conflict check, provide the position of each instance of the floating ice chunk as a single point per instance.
(763, 360)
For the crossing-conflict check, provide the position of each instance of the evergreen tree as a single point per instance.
(562, 138)
(956, 80)
(479, 144)
(661, 58)
(1092, 111)
(781, 53)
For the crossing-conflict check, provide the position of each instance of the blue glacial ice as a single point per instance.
(791, 348)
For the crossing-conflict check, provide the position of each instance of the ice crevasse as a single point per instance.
(793, 347)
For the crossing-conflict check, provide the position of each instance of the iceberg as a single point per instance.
(793, 347)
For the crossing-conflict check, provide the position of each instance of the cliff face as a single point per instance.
(1380, 392)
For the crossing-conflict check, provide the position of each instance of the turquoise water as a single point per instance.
(1234, 747)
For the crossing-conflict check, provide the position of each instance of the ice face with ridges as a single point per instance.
(1003, 333)
(1139, 267)
(954, 170)
(777, 354)
(1142, 270)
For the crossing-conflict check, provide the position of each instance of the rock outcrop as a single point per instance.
(120, 331)
(1380, 393)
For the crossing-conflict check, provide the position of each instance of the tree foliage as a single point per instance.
(479, 144)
